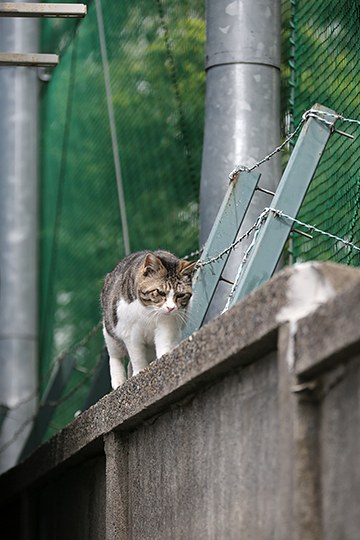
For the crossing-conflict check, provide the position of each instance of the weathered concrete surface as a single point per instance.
(339, 442)
(326, 335)
(205, 466)
(239, 432)
(75, 502)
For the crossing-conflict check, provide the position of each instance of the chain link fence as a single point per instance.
(321, 49)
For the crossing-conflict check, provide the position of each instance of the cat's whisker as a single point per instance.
(183, 316)
(153, 316)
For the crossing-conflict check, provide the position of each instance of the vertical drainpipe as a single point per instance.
(242, 110)
(18, 237)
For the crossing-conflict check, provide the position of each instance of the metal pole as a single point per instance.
(18, 238)
(242, 118)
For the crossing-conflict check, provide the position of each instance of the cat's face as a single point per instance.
(165, 287)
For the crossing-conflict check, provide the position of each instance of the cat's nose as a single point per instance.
(170, 308)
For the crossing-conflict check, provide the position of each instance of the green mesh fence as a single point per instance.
(155, 53)
(321, 45)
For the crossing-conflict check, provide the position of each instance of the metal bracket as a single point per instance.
(288, 198)
(28, 59)
(223, 233)
(40, 10)
(27, 9)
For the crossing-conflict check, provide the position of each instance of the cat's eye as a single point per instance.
(160, 292)
(183, 296)
(152, 296)
(154, 292)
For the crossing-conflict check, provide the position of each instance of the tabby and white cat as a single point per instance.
(144, 302)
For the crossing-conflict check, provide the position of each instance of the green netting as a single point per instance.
(322, 42)
(155, 52)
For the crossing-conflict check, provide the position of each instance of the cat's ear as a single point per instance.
(152, 265)
(186, 268)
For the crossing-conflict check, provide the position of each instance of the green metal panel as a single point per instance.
(290, 193)
(223, 233)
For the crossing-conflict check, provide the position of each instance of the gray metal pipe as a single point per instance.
(242, 111)
(18, 238)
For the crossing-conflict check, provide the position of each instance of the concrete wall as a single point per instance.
(249, 429)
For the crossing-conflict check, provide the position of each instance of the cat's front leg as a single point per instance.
(117, 371)
(117, 353)
(137, 355)
(167, 336)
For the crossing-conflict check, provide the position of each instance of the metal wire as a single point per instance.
(311, 113)
(114, 140)
(233, 175)
(312, 228)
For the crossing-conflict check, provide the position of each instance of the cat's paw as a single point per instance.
(116, 383)
(117, 373)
